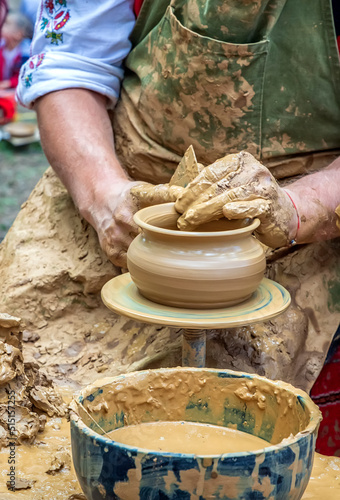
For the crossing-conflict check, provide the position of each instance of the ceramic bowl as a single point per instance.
(218, 265)
(275, 411)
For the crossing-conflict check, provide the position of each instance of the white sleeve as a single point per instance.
(77, 44)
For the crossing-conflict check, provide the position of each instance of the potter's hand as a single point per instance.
(87, 165)
(149, 194)
(187, 170)
(112, 218)
(238, 186)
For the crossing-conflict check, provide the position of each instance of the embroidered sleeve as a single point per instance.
(77, 44)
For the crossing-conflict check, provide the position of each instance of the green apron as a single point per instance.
(255, 75)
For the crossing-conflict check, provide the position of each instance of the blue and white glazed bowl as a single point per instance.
(272, 410)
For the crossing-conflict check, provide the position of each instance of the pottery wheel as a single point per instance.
(121, 295)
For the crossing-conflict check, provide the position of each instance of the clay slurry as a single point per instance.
(187, 437)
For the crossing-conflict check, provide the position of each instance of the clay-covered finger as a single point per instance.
(200, 214)
(207, 178)
(148, 194)
(243, 209)
(116, 252)
(119, 259)
(213, 191)
(211, 209)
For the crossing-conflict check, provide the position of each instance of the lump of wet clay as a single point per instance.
(34, 398)
(187, 170)
(11, 330)
(11, 362)
(26, 425)
(42, 422)
(22, 383)
(7, 321)
(46, 400)
(41, 392)
(62, 460)
(3, 437)
(28, 336)
(17, 386)
(20, 484)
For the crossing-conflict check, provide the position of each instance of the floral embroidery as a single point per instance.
(49, 6)
(54, 18)
(28, 80)
(33, 63)
(44, 23)
(40, 58)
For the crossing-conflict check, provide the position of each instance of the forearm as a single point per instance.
(316, 197)
(77, 138)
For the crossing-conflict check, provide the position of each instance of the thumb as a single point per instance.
(148, 194)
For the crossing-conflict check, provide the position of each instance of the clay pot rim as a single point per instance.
(169, 208)
(304, 399)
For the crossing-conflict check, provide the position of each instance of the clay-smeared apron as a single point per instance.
(255, 75)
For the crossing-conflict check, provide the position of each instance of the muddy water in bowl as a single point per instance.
(284, 417)
(187, 437)
(218, 265)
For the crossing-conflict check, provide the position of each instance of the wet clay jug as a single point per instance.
(218, 265)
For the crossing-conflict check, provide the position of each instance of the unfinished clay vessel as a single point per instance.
(218, 265)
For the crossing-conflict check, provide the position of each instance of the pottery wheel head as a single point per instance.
(269, 300)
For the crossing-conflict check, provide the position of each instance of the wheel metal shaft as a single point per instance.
(194, 348)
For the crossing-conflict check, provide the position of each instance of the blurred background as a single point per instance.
(22, 161)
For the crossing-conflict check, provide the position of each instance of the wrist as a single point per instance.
(93, 193)
(294, 222)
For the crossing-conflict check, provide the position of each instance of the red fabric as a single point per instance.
(7, 109)
(326, 394)
(138, 6)
(15, 69)
(14, 80)
(7, 100)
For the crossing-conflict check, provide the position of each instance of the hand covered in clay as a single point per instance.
(238, 186)
(150, 194)
(187, 170)
(113, 220)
